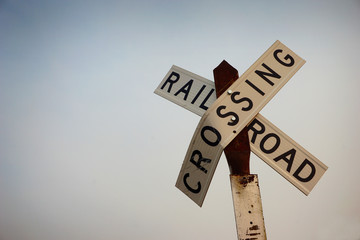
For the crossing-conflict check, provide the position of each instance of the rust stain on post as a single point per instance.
(238, 151)
(245, 180)
(256, 227)
(248, 208)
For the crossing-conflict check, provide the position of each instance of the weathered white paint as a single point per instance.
(247, 207)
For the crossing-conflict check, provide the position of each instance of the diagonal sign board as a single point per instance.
(277, 149)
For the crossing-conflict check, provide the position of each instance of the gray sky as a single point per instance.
(88, 151)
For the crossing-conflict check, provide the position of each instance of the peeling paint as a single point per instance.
(244, 181)
(255, 227)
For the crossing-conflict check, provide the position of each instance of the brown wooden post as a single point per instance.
(245, 188)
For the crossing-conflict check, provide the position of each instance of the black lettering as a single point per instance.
(248, 100)
(202, 105)
(284, 157)
(256, 131)
(302, 166)
(230, 123)
(199, 160)
(264, 74)
(287, 57)
(185, 89)
(276, 145)
(198, 94)
(254, 87)
(213, 130)
(170, 81)
(190, 188)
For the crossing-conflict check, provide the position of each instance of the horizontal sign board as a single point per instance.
(195, 88)
(230, 113)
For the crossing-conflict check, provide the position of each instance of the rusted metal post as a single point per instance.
(237, 152)
(245, 188)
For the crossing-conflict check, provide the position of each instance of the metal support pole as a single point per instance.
(248, 208)
(245, 188)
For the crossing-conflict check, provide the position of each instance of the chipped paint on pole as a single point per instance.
(248, 208)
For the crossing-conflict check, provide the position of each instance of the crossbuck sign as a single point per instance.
(239, 106)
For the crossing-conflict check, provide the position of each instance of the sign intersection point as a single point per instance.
(290, 155)
(224, 116)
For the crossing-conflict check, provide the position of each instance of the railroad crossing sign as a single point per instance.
(223, 118)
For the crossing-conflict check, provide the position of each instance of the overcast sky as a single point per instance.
(89, 152)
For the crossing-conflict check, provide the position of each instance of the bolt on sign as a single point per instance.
(226, 116)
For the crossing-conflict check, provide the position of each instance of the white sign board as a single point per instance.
(188, 90)
(291, 161)
(285, 155)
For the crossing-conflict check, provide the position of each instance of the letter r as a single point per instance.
(171, 81)
(256, 131)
